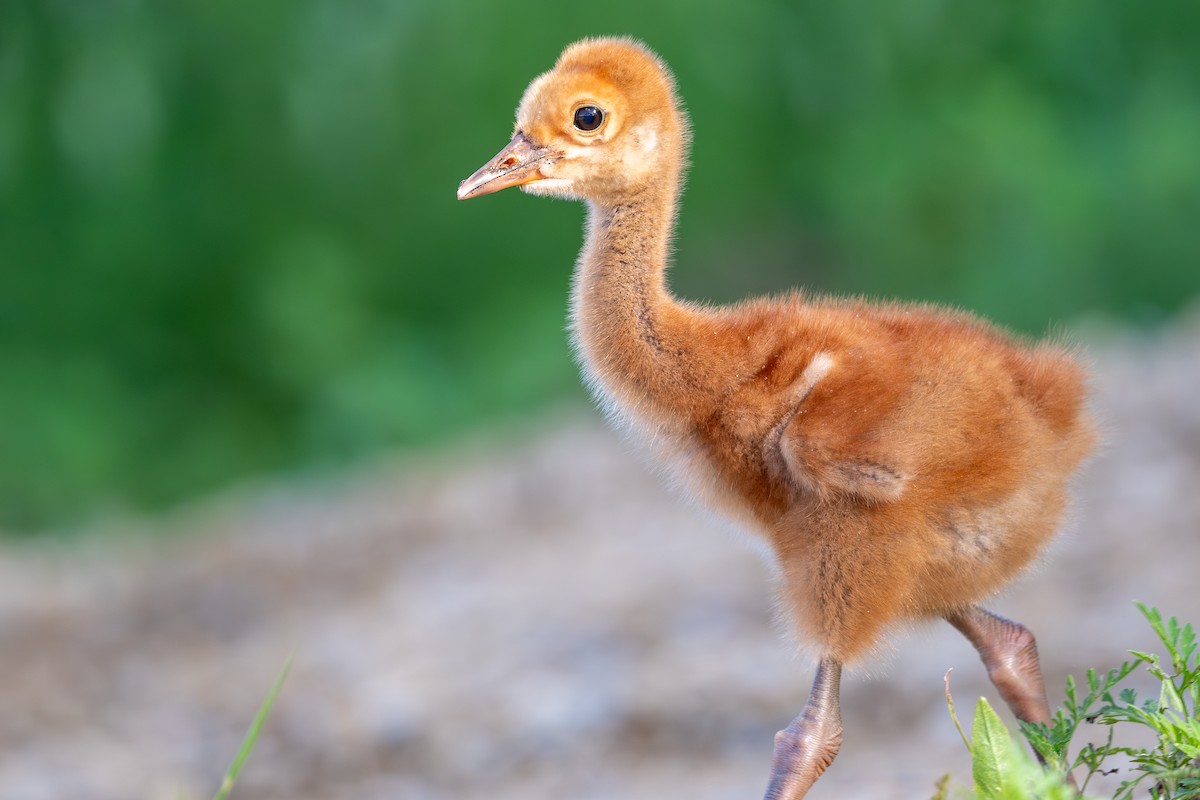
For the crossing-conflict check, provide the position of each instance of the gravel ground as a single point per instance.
(535, 617)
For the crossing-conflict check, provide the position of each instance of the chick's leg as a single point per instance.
(809, 744)
(1009, 652)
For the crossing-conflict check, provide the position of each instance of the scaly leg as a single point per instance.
(807, 746)
(1010, 654)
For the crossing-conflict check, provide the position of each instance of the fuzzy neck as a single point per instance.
(631, 334)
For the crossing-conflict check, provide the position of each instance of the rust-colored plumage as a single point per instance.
(900, 461)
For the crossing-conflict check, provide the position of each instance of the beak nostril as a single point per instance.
(517, 164)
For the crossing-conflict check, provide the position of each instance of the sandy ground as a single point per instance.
(535, 617)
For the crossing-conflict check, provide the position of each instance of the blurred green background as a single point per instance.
(229, 244)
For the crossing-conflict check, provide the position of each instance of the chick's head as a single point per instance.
(603, 125)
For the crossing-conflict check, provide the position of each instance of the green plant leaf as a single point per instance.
(990, 744)
(1070, 691)
(1039, 736)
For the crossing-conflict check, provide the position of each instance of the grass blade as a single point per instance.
(252, 735)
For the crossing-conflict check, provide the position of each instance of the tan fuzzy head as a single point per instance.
(603, 124)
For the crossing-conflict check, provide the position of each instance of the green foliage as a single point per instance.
(1170, 769)
(229, 244)
(999, 769)
(1051, 742)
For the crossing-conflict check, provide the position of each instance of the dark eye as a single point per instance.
(588, 118)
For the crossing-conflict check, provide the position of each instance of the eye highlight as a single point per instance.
(588, 118)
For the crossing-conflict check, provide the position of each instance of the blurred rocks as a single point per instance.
(535, 617)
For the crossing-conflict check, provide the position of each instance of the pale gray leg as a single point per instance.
(809, 744)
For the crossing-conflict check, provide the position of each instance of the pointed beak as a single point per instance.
(520, 162)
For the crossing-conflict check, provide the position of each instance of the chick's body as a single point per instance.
(899, 461)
